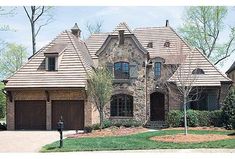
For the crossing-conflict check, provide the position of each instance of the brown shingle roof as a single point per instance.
(73, 64)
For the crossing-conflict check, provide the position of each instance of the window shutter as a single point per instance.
(110, 67)
(133, 71)
(46, 63)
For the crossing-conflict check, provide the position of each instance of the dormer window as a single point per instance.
(150, 45)
(52, 54)
(198, 71)
(167, 44)
(51, 63)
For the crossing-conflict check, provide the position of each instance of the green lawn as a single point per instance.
(137, 142)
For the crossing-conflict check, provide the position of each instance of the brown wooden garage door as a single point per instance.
(72, 112)
(30, 115)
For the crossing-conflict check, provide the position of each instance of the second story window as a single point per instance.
(121, 70)
(157, 69)
(51, 63)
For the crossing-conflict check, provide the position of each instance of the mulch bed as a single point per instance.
(199, 128)
(112, 131)
(190, 138)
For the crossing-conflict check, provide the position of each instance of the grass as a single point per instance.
(137, 142)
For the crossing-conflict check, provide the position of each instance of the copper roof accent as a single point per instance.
(74, 65)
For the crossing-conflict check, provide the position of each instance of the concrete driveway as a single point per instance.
(27, 141)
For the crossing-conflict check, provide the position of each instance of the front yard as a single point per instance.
(139, 141)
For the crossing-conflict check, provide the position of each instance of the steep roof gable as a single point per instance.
(73, 65)
(122, 26)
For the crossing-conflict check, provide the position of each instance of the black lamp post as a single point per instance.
(60, 127)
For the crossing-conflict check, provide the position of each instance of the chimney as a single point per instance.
(167, 23)
(121, 37)
(76, 31)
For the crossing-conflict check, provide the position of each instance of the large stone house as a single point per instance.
(53, 82)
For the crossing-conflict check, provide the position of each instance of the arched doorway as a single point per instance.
(157, 110)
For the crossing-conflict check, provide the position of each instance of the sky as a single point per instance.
(65, 17)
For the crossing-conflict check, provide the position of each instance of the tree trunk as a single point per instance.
(185, 116)
(101, 119)
(33, 38)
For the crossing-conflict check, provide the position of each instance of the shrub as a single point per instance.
(228, 110)
(216, 118)
(174, 118)
(88, 129)
(107, 123)
(192, 118)
(3, 126)
(203, 118)
(95, 126)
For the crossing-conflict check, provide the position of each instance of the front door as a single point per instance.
(157, 111)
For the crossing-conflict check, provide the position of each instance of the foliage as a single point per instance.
(203, 118)
(192, 118)
(203, 27)
(216, 118)
(3, 126)
(11, 59)
(139, 141)
(87, 129)
(228, 110)
(2, 102)
(126, 123)
(100, 86)
(174, 118)
(39, 17)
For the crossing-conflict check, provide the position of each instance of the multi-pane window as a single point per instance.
(121, 70)
(157, 69)
(51, 63)
(122, 105)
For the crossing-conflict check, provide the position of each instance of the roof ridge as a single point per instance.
(81, 59)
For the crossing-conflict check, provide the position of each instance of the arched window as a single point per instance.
(121, 105)
(198, 71)
(121, 70)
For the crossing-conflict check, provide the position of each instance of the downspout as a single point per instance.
(146, 88)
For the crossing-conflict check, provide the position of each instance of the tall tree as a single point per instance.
(11, 59)
(203, 27)
(100, 89)
(94, 27)
(39, 16)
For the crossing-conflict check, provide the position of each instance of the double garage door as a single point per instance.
(31, 114)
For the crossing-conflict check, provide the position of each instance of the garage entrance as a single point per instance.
(30, 115)
(72, 112)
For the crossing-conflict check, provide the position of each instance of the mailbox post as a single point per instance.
(60, 127)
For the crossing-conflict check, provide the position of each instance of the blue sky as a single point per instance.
(65, 17)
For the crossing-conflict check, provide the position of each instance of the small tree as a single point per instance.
(100, 89)
(228, 110)
(2, 102)
(184, 81)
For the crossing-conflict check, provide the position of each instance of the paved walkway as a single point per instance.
(27, 141)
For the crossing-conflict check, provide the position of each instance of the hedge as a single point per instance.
(195, 118)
